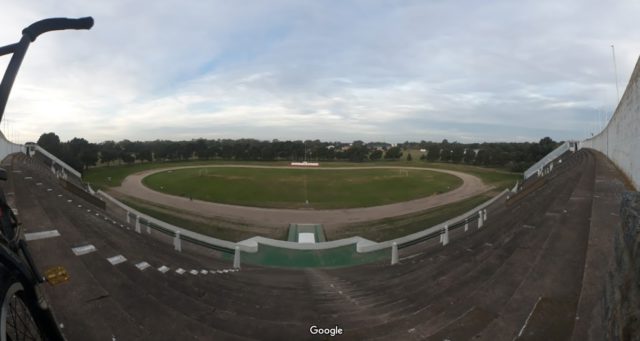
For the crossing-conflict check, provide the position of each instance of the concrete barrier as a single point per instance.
(619, 139)
(7, 147)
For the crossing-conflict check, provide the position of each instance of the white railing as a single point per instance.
(172, 228)
(563, 148)
(251, 245)
(59, 162)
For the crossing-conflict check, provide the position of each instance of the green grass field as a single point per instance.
(98, 177)
(292, 188)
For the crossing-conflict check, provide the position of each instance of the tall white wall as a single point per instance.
(7, 147)
(620, 139)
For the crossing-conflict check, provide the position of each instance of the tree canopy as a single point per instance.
(81, 154)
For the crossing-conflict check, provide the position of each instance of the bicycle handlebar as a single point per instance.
(55, 24)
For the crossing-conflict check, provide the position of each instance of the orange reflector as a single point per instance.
(56, 275)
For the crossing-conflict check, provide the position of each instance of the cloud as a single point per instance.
(333, 70)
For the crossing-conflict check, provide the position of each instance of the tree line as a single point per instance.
(81, 154)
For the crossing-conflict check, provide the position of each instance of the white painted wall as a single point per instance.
(620, 139)
(7, 147)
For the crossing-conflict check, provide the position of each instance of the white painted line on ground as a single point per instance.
(17, 171)
(88, 210)
(526, 322)
(41, 235)
(180, 271)
(79, 206)
(143, 265)
(28, 178)
(97, 214)
(204, 272)
(412, 256)
(219, 271)
(83, 250)
(193, 272)
(59, 195)
(10, 193)
(38, 183)
(49, 190)
(69, 200)
(225, 270)
(115, 260)
(121, 225)
(163, 269)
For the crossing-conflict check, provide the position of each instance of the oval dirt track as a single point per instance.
(132, 186)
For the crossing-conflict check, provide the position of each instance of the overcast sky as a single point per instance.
(333, 70)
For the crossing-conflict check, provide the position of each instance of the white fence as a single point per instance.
(58, 162)
(251, 245)
(563, 148)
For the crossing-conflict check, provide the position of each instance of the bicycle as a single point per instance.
(24, 312)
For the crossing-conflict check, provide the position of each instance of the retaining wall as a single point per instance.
(620, 139)
(7, 147)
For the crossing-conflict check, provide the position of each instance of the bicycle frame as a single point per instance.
(15, 258)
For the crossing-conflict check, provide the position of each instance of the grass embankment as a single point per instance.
(391, 228)
(215, 228)
(302, 188)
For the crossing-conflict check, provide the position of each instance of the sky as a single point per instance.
(392, 71)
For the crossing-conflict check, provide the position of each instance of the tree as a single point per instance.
(433, 153)
(51, 143)
(127, 158)
(409, 157)
(393, 153)
(469, 155)
(375, 155)
(108, 152)
(358, 152)
(145, 155)
(457, 153)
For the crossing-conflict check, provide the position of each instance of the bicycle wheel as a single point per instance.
(16, 320)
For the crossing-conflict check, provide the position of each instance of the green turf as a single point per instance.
(335, 257)
(396, 227)
(98, 177)
(112, 176)
(292, 188)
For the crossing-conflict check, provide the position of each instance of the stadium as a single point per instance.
(229, 249)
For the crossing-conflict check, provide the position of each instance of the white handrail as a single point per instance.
(58, 161)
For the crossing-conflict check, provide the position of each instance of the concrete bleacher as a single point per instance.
(522, 275)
